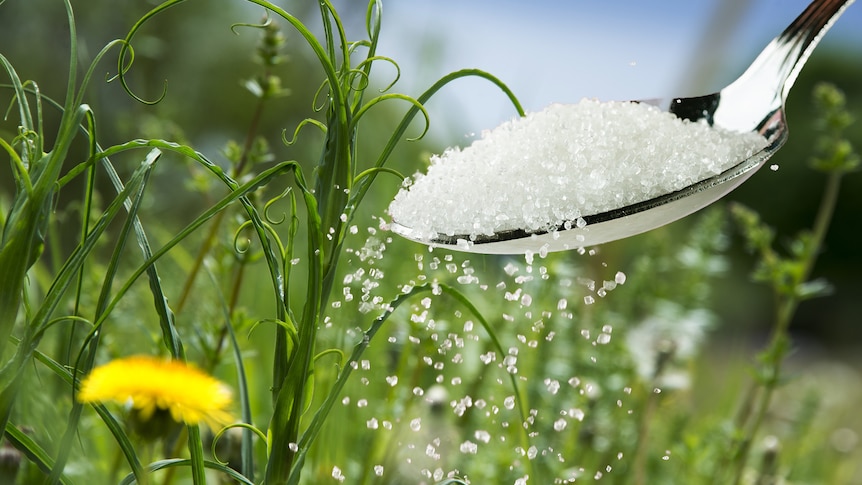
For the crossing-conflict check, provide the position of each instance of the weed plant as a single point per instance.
(355, 357)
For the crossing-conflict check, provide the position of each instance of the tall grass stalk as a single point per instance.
(789, 277)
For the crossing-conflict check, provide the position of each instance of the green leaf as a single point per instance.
(196, 449)
(113, 426)
(162, 464)
(131, 221)
(246, 448)
(813, 289)
(10, 374)
(32, 451)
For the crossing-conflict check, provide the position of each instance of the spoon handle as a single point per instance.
(764, 86)
(801, 37)
(785, 56)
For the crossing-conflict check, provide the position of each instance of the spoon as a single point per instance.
(752, 103)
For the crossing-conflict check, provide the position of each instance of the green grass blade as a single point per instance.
(246, 447)
(494, 340)
(160, 302)
(196, 450)
(79, 255)
(132, 207)
(319, 418)
(519, 394)
(126, 49)
(113, 426)
(238, 194)
(162, 464)
(323, 411)
(73, 58)
(359, 193)
(290, 389)
(86, 212)
(24, 115)
(383, 97)
(10, 374)
(32, 451)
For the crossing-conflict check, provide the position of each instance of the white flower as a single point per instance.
(670, 333)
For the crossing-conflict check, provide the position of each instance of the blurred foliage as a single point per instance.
(619, 354)
(787, 198)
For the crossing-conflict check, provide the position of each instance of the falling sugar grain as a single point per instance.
(551, 168)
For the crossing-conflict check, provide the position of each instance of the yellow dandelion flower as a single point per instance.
(150, 384)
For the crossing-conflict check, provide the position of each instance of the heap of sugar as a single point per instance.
(551, 168)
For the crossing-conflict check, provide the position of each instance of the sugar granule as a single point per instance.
(553, 167)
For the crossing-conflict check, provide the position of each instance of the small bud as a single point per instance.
(769, 464)
(10, 463)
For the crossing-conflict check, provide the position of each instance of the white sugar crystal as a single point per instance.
(469, 447)
(416, 424)
(553, 167)
(483, 436)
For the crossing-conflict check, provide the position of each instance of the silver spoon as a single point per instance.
(754, 102)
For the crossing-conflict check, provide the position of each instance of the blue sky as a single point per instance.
(564, 50)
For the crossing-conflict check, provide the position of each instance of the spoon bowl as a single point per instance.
(752, 103)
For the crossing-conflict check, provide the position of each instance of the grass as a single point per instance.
(356, 357)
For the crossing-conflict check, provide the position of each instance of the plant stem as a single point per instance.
(223, 331)
(824, 216)
(640, 475)
(176, 450)
(773, 356)
(209, 241)
(210, 238)
(663, 357)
